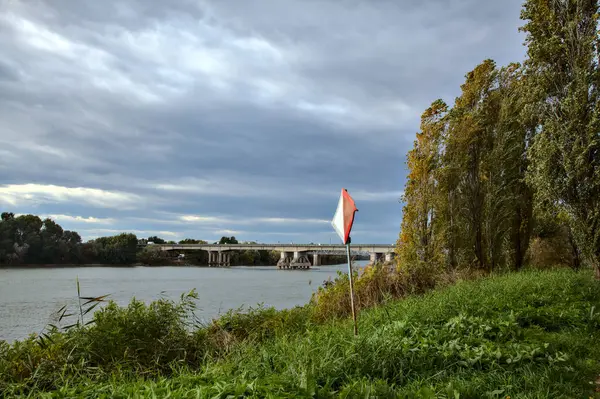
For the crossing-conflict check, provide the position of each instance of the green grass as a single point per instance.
(523, 335)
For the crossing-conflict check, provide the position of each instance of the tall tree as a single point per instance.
(7, 236)
(484, 204)
(228, 240)
(51, 235)
(510, 199)
(419, 244)
(27, 240)
(119, 249)
(471, 129)
(156, 240)
(562, 41)
(466, 199)
(72, 244)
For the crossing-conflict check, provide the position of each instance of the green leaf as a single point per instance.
(88, 310)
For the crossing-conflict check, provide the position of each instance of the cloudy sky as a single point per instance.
(191, 118)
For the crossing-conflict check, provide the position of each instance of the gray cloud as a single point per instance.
(137, 112)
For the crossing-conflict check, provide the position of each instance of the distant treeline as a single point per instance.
(29, 240)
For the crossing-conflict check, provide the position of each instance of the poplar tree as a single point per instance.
(419, 242)
(510, 199)
(468, 142)
(562, 40)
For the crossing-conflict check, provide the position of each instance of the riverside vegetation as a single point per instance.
(493, 294)
(531, 334)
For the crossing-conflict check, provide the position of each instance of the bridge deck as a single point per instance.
(373, 248)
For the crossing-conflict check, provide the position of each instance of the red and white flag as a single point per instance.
(344, 216)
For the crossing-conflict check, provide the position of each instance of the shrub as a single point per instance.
(256, 325)
(375, 285)
(29, 363)
(151, 256)
(139, 338)
(144, 337)
(549, 252)
(378, 284)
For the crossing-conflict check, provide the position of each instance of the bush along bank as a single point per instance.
(528, 334)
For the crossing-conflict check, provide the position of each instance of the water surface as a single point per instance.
(29, 297)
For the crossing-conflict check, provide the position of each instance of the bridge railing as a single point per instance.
(273, 245)
(281, 247)
(277, 245)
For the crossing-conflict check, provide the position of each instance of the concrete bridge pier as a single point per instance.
(284, 260)
(375, 257)
(300, 260)
(316, 260)
(224, 259)
(389, 256)
(219, 258)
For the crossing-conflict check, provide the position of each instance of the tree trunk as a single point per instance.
(452, 233)
(576, 261)
(519, 256)
(479, 248)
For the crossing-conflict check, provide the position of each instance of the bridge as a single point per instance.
(293, 256)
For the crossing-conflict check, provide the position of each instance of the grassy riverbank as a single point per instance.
(530, 335)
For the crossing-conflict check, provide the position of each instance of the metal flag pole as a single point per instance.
(351, 287)
(342, 224)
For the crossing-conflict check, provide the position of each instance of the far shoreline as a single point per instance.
(105, 265)
(125, 266)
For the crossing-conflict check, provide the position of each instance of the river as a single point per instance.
(30, 296)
